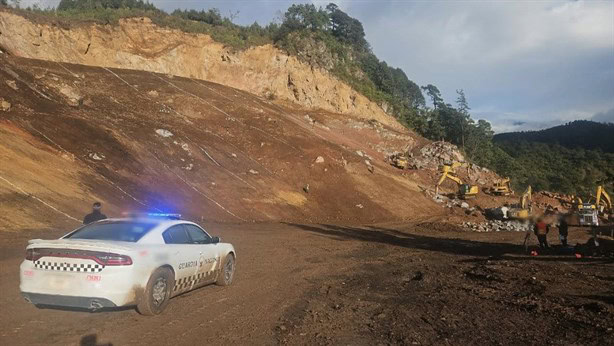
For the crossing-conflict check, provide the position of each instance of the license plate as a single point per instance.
(58, 283)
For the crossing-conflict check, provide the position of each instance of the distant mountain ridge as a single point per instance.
(583, 134)
(571, 158)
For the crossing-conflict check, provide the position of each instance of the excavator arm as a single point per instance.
(606, 198)
(449, 176)
(448, 172)
(526, 198)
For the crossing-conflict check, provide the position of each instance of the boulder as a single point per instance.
(5, 106)
(73, 97)
(12, 84)
(164, 133)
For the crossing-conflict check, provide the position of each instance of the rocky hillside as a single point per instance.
(135, 125)
(140, 44)
(73, 134)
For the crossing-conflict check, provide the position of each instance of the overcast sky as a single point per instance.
(522, 64)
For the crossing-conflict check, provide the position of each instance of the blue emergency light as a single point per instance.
(169, 216)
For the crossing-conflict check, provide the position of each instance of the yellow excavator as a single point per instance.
(399, 161)
(524, 209)
(603, 202)
(448, 171)
(588, 213)
(502, 187)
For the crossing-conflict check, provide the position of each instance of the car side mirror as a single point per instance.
(215, 240)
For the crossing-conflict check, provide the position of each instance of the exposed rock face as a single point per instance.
(5, 106)
(438, 153)
(140, 44)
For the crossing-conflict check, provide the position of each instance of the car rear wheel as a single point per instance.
(228, 271)
(157, 293)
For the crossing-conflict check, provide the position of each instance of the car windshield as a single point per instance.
(128, 231)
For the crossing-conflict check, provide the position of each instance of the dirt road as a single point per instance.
(322, 284)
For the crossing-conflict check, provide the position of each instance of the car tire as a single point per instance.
(227, 272)
(157, 294)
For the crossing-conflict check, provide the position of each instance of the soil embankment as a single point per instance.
(141, 45)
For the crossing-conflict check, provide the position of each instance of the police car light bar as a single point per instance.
(165, 215)
(169, 216)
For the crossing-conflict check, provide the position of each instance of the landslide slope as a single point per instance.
(138, 140)
(139, 44)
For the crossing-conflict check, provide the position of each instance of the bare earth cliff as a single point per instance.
(142, 45)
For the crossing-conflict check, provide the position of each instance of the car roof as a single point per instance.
(161, 224)
(147, 219)
(154, 234)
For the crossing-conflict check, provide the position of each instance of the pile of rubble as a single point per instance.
(496, 226)
(451, 203)
(435, 154)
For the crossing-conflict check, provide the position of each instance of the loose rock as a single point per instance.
(5, 106)
(164, 133)
(96, 156)
(12, 84)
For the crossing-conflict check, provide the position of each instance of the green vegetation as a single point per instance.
(330, 39)
(580, 133)
(572, 158)
(67, 5)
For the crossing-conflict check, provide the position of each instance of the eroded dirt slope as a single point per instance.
(139, 140)
(141, 45)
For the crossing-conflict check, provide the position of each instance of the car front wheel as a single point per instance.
(228, 271)
(157, 293)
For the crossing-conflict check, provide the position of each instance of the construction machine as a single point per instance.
(588, 213)
(524, 208)
(603, 202)
(399, 160)
(502, 187)
(448, 171)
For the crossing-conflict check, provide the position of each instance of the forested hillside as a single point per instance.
(583, 134)
(571, 158)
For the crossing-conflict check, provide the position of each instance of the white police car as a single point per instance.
(142, 261)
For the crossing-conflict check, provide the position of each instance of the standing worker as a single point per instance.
(541, 230)
(563, 230)
(95, 215)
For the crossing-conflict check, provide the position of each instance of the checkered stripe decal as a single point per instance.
(69, 267)
(187, 282)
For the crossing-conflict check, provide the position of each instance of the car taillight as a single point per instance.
(32, 254)
(111, 259)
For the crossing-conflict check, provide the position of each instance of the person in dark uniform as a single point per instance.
(563, 230)
(95, 215)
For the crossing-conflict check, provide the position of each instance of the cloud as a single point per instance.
(544, 62)
(604, 117)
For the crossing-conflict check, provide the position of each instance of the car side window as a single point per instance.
(176, 235)
(198, 235)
